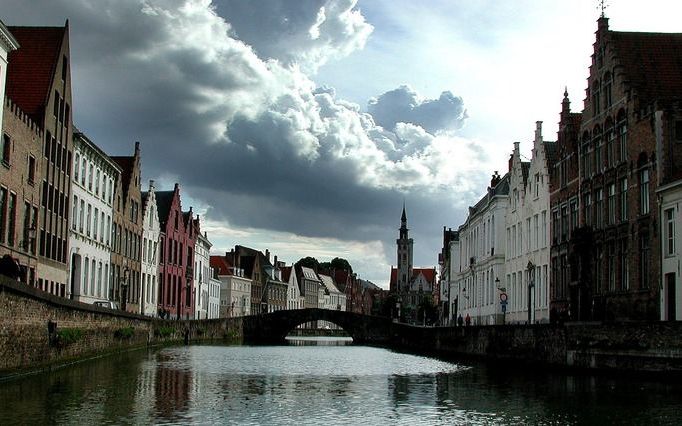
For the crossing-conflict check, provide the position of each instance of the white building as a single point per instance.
(476, 276)
(92, 187)
(294, 298)
(235, 288)
(151, 230)
(333, 298)
(7, 44)
(671, 241)
(202, 275)
(527, 235)
(213, 295)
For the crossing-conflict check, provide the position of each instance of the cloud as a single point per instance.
(250, 136)
(307, 32)
(403, 105)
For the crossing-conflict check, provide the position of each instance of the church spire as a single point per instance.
(403, 218)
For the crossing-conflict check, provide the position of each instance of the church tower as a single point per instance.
(404, 244)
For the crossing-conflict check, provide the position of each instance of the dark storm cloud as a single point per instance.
(403, 105)
(256, 140)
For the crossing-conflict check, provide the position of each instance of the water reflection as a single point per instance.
(318, 341)
(323, 385)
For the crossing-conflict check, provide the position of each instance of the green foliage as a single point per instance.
(124, 333)
(164, 331)
(341, 264)
(309, 262)
(67, 336)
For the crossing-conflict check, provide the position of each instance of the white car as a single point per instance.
(106, 304)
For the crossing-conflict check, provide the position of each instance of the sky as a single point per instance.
(303, 126)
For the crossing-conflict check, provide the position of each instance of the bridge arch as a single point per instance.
(272, 328)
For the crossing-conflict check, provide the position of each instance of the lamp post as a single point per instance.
(531, 284)
(503, 298)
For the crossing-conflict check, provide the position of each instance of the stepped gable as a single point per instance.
(164, 200)
(32, 66)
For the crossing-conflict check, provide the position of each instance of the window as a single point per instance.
(611, 208)
(90, 177)
(545, 229)
(101, 227)
(74, 214)
(26, 244)
(31, 169)
(83, 170)
(574, 215)
(564, 222)
(623, 139)
(595, 98)
(80, 220)
(86, 267)
(3, 213)
(6, 149)
(89, 218)
(598, 147)
(624, 267)
(644, 260)
(669, 217)
(610, 147)
(97, 182)
(586, 153)
(598, 208)
(612, 267)
(11, 218)
(607, 91)
(624, 200)
(537, 184)
(55, 110)
(644, 191)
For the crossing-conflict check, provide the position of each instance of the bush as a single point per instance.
(124, 333)
(164, 331)
(67, 336)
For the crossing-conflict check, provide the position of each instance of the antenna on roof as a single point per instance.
(602, 5)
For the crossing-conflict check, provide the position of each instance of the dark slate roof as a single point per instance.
(525, 167)
(126, 164)
(286, 273)
(502, 188)
(644, 55)
(32, 67)
(164, 200)
(247, 263)
(550, 154)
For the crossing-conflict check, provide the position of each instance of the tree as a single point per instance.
(341, 264)
(309, 262)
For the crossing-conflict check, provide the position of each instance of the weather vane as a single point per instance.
(602, 4)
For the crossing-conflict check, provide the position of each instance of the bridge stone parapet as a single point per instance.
(272, 328)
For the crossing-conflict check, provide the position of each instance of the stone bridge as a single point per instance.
(272, 328)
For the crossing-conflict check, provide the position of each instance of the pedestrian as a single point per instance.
(467, 320)
(460, 320)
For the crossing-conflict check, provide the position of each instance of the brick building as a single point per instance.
(626, 150)
(126, 267)
(176, 257)
(39, 84)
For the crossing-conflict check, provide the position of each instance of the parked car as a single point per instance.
(106, 304)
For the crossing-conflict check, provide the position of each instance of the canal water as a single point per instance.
(321, 381)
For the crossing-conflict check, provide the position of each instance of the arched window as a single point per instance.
(598, 143)
(76, 167)
(622, 136)
(86, 267)
(586, 151)
(607, 90)
(595, 98)
(610, 144)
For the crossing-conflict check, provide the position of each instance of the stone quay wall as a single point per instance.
(41, 331)
(634, 346)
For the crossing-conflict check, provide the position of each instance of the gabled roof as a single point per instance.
(222, 264)
(286, 273)
(309, 274)
(328, 282)
(127, 164)
(164, 201)
(31, 68)
(644, 55)
(550, 154)
(429, 274)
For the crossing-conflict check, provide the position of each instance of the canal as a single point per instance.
(321, 381)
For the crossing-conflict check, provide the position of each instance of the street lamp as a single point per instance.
(531, 284)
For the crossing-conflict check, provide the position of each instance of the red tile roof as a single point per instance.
(652, 62)
(429, 274)
(222, 264)
(32, 67)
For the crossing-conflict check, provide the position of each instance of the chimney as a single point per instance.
(275, 263)
(151, 185)
(176, 187)
(267, 254)
(493, 182)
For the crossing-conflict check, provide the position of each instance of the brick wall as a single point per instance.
(39, 330)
